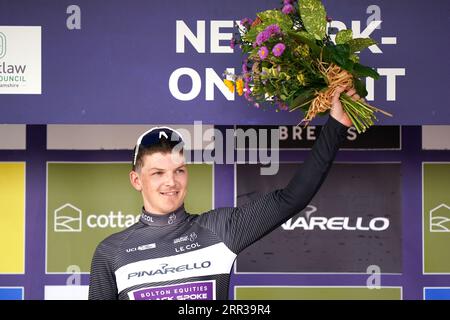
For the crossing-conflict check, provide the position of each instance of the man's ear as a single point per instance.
(135, 180)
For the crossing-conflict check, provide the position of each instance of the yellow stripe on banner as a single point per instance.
(12, 217)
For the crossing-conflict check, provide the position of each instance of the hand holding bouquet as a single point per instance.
(292, 63)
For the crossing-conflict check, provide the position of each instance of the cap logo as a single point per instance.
(162, 133)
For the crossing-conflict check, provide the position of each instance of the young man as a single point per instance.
(170, 254)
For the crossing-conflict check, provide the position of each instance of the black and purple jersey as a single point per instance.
(186, 256)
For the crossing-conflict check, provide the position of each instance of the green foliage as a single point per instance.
(363, 71)
(313, 16)
(275, 17)
(294, 77)
(360, 87)
(267, 18)
(340, 55)
(344, 36)
(302, 98)
(359, 44)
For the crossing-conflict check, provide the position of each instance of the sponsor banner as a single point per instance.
(12, 137)
(432, 137)
(436, 217)
(12, 217)
(298, 137)
(94, 75)
(86, 202)
(212, 260)
(316, 293)
(351, 224)
(117, 137)
(20, 60)
(11, 293)
(73, 292)
(436, 293)
(201, 290)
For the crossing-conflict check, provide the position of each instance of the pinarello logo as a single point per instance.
(310, 222)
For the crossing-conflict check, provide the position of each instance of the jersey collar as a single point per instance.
(152, 219)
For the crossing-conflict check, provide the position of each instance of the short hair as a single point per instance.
(163, 146)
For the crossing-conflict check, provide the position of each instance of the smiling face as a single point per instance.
(162, 181)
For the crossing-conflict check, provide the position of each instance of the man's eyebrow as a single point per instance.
(159, 169)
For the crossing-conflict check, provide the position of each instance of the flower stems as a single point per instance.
(360, 113)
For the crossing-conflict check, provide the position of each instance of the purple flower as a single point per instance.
(232, 43)
(247, 91)
(288, 2)
(262, 37)
(245, 65)
(245, 70)
(273, 29)
(287, 9)
(263, 53)
(278, 49)
(246, 22)
(282, 106)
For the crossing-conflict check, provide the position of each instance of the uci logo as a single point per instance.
(142, 248)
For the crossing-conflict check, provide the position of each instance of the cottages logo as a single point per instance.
(440, 218)
(68, 218)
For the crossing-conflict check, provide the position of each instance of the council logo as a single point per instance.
(20, 60)
(2, 45)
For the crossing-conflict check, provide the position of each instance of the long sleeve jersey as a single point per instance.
(182, 256)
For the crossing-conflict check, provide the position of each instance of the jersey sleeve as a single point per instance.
(102, 283)
(241, 226)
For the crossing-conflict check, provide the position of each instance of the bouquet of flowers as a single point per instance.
(292, 63)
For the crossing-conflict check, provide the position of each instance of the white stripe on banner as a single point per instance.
(12, 136)
(436, 137)
(215, 259)
(74, 292)
(119, 137)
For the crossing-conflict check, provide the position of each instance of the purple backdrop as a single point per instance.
(411, 156)
(116, 69)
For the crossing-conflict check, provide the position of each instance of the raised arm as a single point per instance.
(241, 226)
